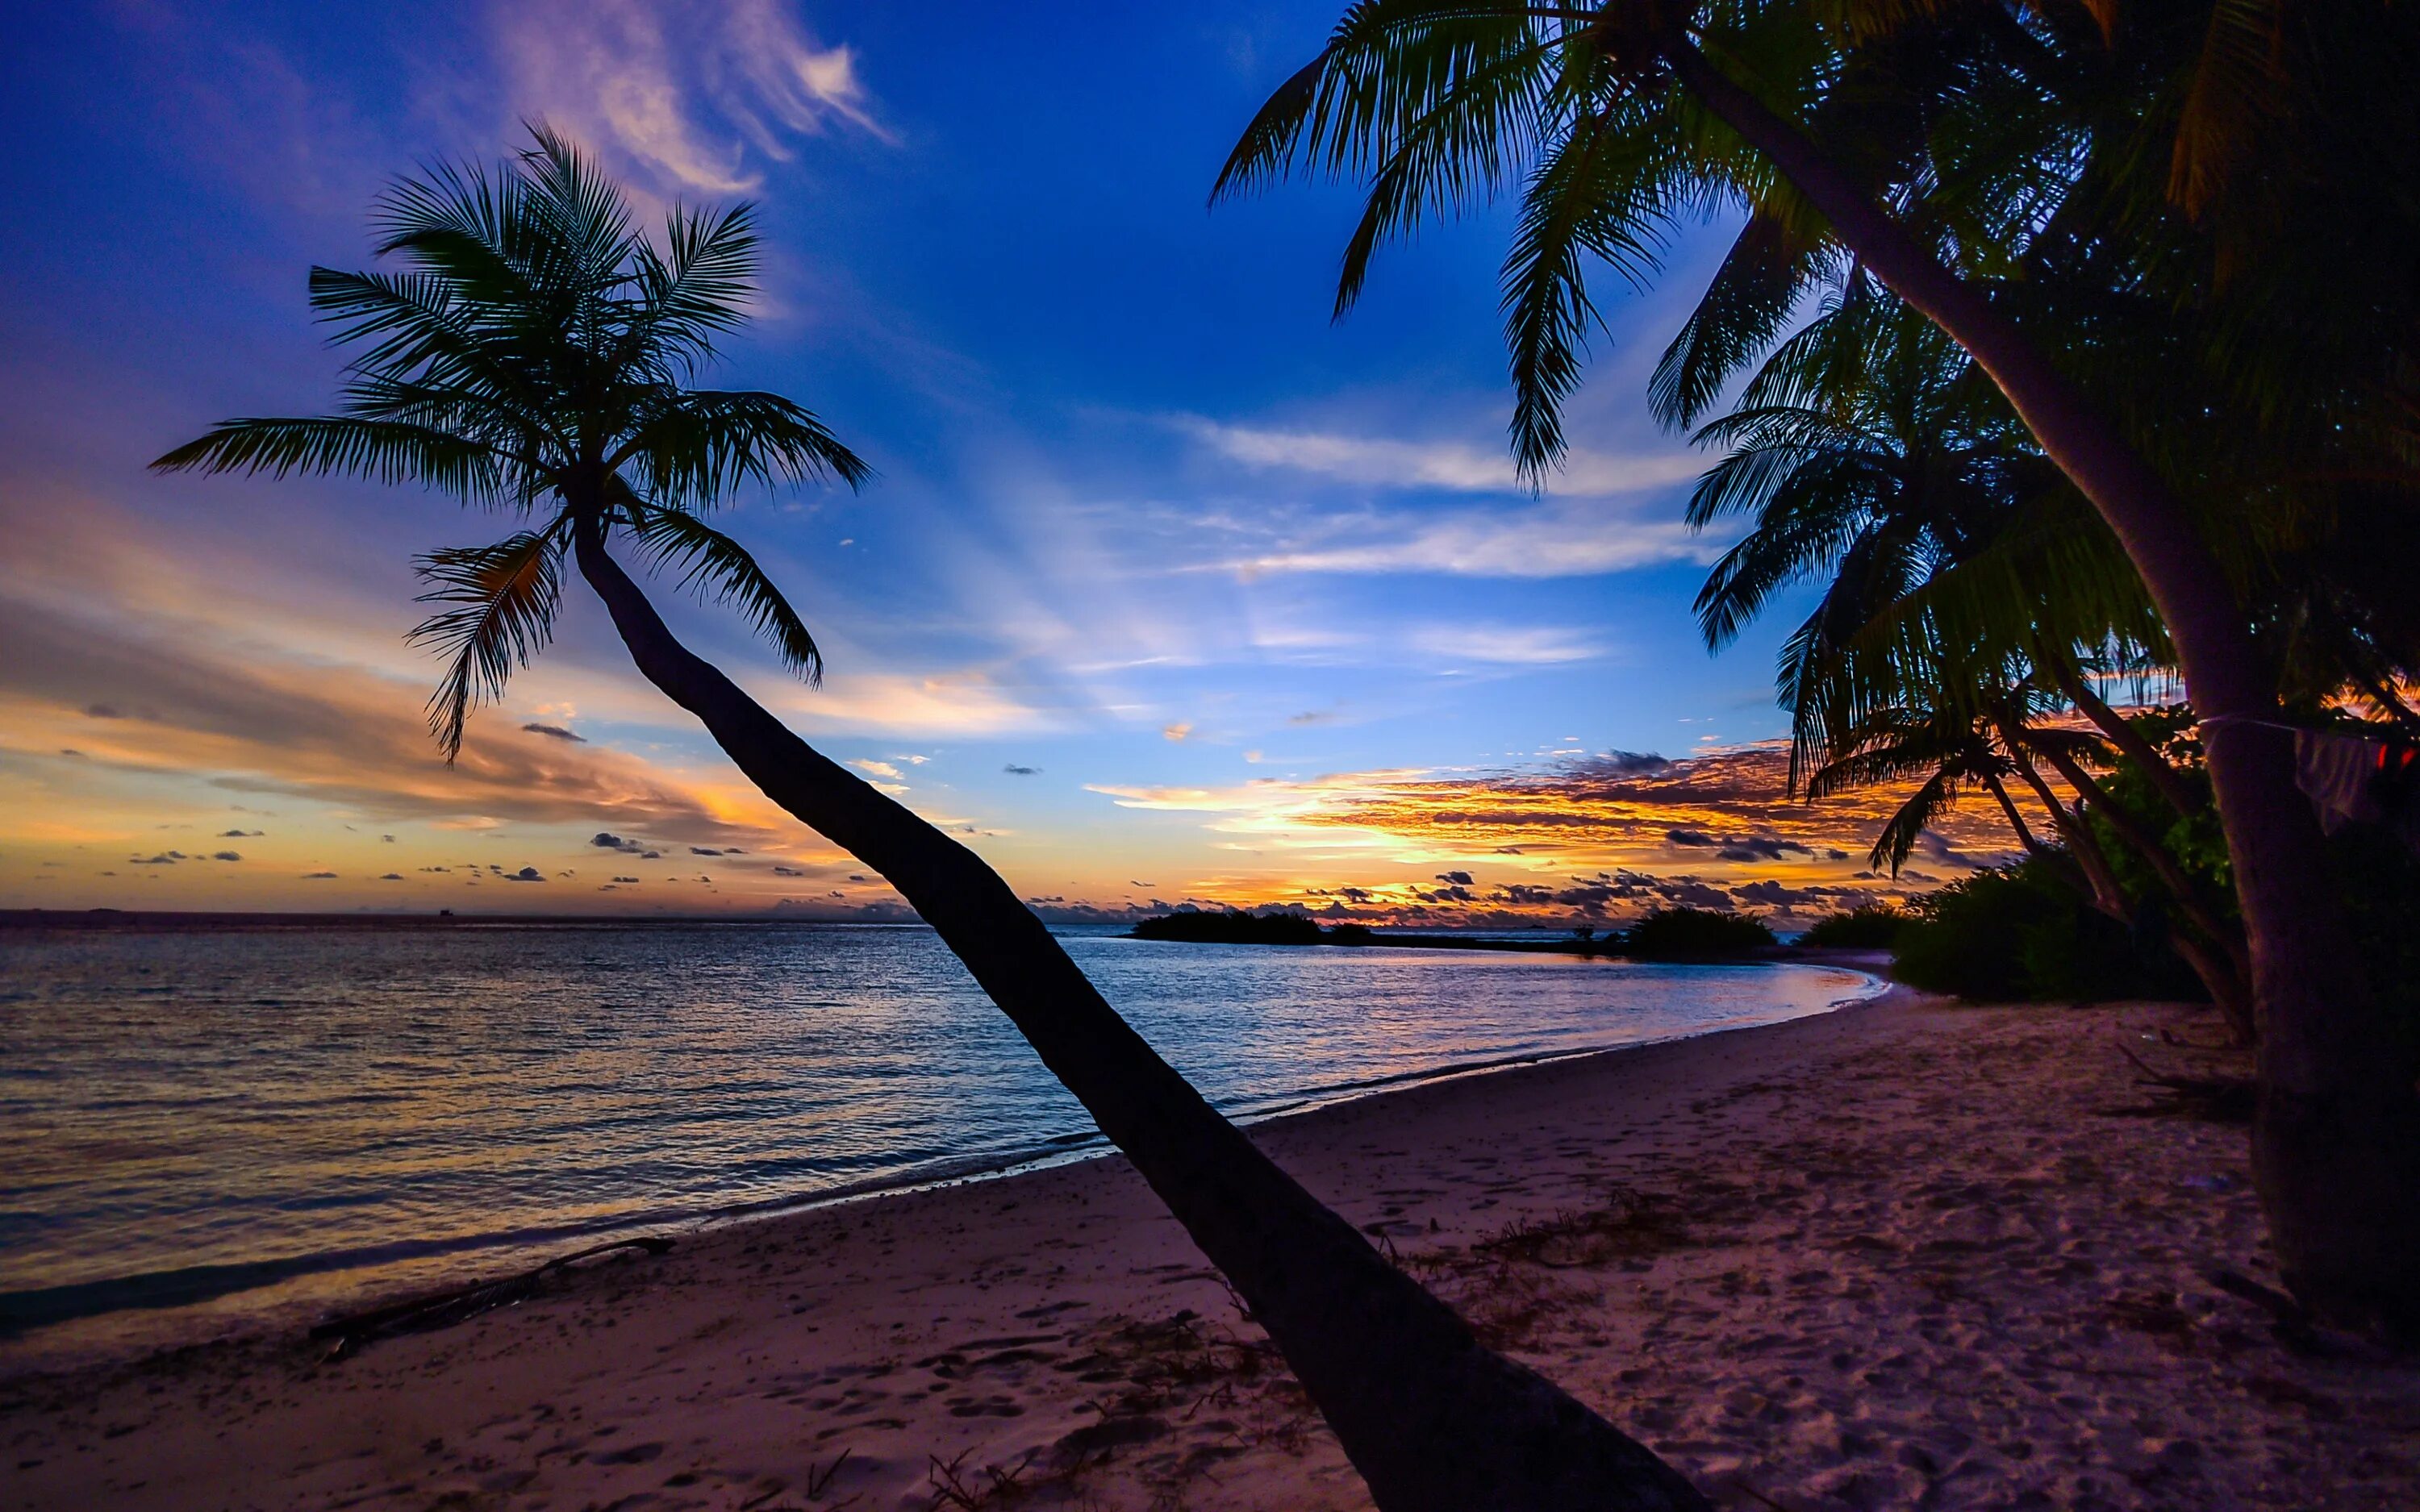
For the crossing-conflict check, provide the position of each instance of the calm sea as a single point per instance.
(201, 1128)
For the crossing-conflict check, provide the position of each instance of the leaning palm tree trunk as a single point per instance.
(1431, 1419)
(2336, 1137)
(2128, 739)
(539, 351)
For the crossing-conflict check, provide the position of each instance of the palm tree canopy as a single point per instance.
(537, 354)
(2073, 162)
(1443, 104)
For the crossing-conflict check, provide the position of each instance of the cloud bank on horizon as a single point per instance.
(1165, 576)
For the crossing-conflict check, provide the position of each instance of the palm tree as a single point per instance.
(1950, 756)
(1868, 452)
(538, 358)
(1846, 142)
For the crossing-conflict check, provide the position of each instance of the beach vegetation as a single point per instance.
(537, 354)
(2077, 345)
(1866, 927)
(2023, 933)
(1233, 926)
(1683, 933)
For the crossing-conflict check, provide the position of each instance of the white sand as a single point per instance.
(1894, 1257)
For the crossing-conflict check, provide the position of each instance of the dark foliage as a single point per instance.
(2023, 933)
(1871, 927)
(2376, 876)
(2381, 883)
(1235, 927)
(1695, 935)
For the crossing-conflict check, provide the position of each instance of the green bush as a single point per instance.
(1228, 926)
(1235, 927)
(1870, 927)
(2021, 934)
(1695, 934)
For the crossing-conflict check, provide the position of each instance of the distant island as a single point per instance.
(1233, 926)
(1662, 934)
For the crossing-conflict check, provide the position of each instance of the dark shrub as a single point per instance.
(1695, 934)
(1871, 927)
(2021, 934)
(2379, 878)
(1230, 927)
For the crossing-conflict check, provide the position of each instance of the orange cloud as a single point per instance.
(149, 704)
(1607, 837)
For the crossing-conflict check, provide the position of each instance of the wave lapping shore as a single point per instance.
(216, 1125)
(1901, 1255)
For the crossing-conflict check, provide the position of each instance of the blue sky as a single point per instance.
(1159, 561)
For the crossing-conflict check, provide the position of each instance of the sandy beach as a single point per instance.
(1903, 1254)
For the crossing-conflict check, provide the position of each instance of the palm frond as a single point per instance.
(1592, 195)
(694, 446)
(424, 329)
(1809, 520)
(533, 348)
(503, 597)
(467, 229)
(1760, 281)
(2235, 92)
(1472, 107)
(718, 569)
(388, 452)
(1389, 65)
(585, 216)
(1905, 828)
(696, 291)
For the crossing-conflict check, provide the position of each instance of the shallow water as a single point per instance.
(223, 1121)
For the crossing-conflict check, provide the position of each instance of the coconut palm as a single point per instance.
(538, 357)
(1868, 453)
(1949, 758)
(1921, 146)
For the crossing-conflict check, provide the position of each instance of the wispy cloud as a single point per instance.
(1460, 467)
(1602, 512)
(253, 722)
(1554, 538)
(960, 703)
(694, 93)
(1508, 645)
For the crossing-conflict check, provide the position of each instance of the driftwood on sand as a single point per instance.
(418, 1315)
(2215, 1099)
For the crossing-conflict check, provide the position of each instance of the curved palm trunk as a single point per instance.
(2128, 739)
(1430, 1418)
(2335, 1143)
(2016, 820)
(2220, 973)
(2155, 855)
(2100, 883)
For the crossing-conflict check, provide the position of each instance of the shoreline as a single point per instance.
(272, 1316)
(1549, 940)
(1897, 1254)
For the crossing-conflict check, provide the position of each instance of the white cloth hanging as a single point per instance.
(2353, 780)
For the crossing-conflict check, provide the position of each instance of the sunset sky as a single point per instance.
(1169, 589)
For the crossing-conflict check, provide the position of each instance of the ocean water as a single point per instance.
(203, 1127)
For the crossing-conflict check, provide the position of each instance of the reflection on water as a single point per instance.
(198, 1115)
